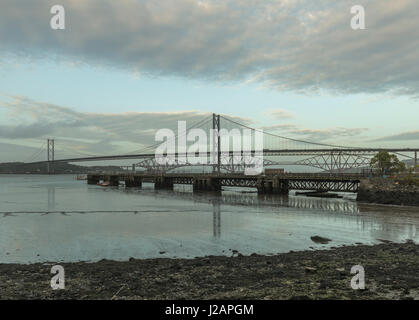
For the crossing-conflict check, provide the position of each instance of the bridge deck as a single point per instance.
(266, 152)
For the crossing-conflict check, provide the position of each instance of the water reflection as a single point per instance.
(380, 221)
(51, 198)
(118, 223)
(236, 197)
(300, 202)
(216, 220)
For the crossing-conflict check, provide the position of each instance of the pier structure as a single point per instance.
(265, 184)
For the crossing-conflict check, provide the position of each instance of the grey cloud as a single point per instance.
(329, 133)
(319, 135)
(25, 131)
(412, 135)
(289, 45)
(10, 152)
(92, 133)
(279, 127)
(280, 114)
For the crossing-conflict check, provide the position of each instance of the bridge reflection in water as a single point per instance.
(51, 198)
(233, 197)
(375, 218)
(300, 202)
(216, 220)
(278, 203)
(61, 219)
(368, 217)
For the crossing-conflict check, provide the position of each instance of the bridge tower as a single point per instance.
(216, 146)
(50, 155)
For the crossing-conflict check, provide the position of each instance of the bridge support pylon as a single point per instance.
(93, 179)
(133, 182)
(113, 180)
(163, 183)
(50, 155)
(273, 186)
(280, 186)
(207, 184)
(216, 141)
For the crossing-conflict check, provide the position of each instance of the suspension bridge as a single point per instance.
(226, 166)
(277, 151)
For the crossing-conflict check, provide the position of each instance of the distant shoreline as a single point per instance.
(59, 168)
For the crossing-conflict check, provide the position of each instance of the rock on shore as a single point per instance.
(388, 191)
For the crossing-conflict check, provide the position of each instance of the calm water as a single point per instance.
(56, 218)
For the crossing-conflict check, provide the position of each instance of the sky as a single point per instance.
(121, 70)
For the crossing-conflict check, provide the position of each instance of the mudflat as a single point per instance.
(391, 272)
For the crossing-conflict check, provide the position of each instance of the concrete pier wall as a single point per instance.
(274, 186)
(133, 182)
(163, 183)
(207, 184)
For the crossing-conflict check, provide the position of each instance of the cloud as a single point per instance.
(315, 135)
(411, 135)
(25, 131)
(25, 124)
(83, 133)
(280, 127)
(280, 114)
(297, 45)
(11, 152)
(88, 134)
(328, 133)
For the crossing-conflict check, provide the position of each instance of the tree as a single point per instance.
(387, 163)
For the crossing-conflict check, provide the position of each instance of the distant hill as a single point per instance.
(58, 167)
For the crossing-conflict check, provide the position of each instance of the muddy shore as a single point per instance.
(391, 272)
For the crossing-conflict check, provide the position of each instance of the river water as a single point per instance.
(57, 218)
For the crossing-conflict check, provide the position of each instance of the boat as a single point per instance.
(104, 184)
(81, 177)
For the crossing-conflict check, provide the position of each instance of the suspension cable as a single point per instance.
(286, 138)
(197, 124)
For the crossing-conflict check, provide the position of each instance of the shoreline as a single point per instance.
(319, 274)
(388, 192)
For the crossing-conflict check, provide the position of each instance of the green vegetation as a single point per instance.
(411, 178)
(387, 163)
